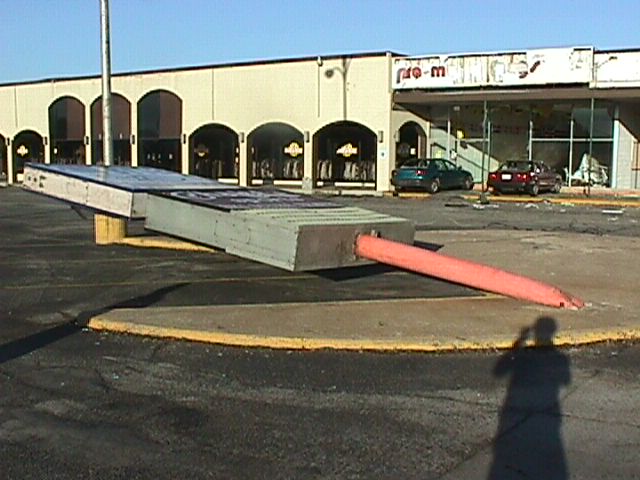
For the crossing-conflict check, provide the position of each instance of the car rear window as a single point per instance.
(410, 163)
(517, 166)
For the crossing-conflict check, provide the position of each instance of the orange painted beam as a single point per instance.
(464, 272)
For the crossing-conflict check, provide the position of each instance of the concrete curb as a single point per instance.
(345, 344)
(164, 243)
(596, 202)
(474, 323)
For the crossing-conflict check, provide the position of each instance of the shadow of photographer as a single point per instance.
(528, 442)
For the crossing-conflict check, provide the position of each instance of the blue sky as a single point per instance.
(58, 38)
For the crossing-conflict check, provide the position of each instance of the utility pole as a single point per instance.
(107, 144)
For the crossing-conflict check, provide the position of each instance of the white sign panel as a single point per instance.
(533, 67)
(617, 69)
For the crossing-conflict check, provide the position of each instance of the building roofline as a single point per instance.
(618, 50)
(190, 68)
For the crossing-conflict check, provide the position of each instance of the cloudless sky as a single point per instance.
(59, 38)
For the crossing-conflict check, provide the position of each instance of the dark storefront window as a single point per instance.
(411, 143)
(345, 153)
(66, 131)
(214, 153)
(120, 130)
(276, 153)
(28, 146)
(159, 131)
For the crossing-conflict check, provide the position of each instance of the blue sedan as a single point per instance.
(430, 174)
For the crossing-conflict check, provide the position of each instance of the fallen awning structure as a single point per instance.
(116, 190)
(286, 230)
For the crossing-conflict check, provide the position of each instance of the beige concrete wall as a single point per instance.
(306, 94)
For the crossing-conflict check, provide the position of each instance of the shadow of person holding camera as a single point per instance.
(528, 443)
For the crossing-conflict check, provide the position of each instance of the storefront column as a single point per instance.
(9, 161)
(134, 135)
(448, 155)
(184, 146)
(485, 163)
(613, 177)
(243, 166)
(308, 175)
(383, 164)
(47, 150)
(88, 159)
(571, 130)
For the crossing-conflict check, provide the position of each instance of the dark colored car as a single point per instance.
(430, 174)
(525, 176)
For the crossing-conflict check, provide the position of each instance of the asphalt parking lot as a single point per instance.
(52, 271)
(78, 403)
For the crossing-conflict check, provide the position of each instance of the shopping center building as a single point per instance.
(343, 121)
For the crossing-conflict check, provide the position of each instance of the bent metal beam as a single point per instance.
(464, 272)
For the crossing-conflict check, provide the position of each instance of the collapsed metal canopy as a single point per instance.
(286, 230)
(116, 190)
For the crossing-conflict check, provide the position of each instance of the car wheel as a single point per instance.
(534, 189)
(434, 186)
(468, 183)
(556, 187)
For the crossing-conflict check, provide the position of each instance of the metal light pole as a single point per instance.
(107, 144)
(484, 140)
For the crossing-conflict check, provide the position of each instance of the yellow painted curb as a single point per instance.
(165, 243)
(351, 344)
(414, 195)
(596, 202)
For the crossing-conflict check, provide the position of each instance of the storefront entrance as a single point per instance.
(345, 155)
(276, 154)
(213, 153)
(28, 146)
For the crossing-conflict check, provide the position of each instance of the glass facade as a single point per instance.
(575, 138)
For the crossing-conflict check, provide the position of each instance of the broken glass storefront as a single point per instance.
(574, 138)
